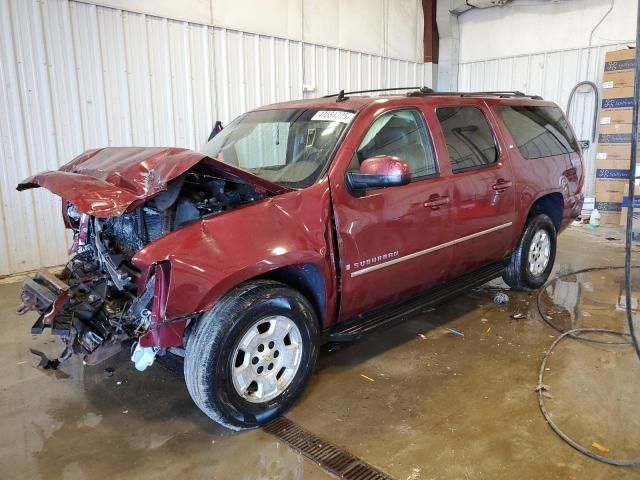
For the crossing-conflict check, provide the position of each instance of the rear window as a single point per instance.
(469, 138)
(538, 131)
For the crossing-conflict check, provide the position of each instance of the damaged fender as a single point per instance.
(210, 257)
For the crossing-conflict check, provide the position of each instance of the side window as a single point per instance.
(469, 138)
(538, 131)
(402, 134)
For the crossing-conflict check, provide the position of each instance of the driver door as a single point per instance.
(392, 240)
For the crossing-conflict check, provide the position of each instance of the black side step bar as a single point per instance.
(389, 315)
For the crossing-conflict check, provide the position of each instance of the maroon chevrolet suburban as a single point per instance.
(301, 223)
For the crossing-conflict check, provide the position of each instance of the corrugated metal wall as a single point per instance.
(76, 76)
(551, 75)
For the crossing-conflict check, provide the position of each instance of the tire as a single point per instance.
(523, 272)
(257, 314)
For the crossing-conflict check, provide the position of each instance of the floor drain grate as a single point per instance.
(329, 457)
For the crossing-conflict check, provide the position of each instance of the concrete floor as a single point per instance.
(440, 407)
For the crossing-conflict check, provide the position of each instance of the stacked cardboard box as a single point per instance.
(614, 141)
(636, 207)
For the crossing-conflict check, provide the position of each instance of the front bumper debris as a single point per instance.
(47, 294)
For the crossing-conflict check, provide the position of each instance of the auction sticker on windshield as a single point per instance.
(334, 116)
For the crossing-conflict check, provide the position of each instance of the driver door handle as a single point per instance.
(436, 201)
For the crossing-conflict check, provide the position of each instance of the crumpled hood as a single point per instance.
(107, 182)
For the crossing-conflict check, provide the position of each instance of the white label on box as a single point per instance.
(334, 116)
(601, 156)
(608, 84)
(605, 120)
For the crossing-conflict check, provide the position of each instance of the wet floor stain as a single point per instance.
(590, 299)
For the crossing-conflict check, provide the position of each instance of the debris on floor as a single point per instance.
(455, 332)
(45, 363)
(599, 447)
(422, 336)
(367, 377)
(518, 316)
(501, 298)
(109, 371)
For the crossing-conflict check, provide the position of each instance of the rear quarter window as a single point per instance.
(538, 131)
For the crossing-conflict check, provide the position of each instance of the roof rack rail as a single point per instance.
(424, 91)
(341, 96)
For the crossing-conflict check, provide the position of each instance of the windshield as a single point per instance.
(289, 147)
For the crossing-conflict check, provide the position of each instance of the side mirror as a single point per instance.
(379, 172)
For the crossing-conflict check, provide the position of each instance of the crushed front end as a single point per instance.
(100, 301)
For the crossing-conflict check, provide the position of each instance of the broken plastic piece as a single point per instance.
(455, 332)
(501, 298)
(600, 448)
(143, 357)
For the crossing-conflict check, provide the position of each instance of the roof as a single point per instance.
(356, 101)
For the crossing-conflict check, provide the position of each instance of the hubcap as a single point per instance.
(539, 252)
(266, 359)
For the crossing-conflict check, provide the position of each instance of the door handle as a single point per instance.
(501, 185)
(436, 201)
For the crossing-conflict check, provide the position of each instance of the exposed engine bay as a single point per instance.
(97, 302)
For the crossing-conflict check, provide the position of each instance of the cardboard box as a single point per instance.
(636, 207)
(609, 218)
(615, 116)
(617, 138)
(613, 164)
(622, 92)
(619, 68)
(616, 129)
(620, 60)
(636, 216)
(617, 79)
(609, 212)
(614, 151)
(610, 192)
(618, 98)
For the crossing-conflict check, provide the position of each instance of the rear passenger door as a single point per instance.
(483, 198)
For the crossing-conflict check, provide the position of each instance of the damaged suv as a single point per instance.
(298, 224)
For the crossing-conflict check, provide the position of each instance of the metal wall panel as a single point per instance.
(551, 75)
(77, 76)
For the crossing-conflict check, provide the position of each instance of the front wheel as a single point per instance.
(252, 354)
(532, 262)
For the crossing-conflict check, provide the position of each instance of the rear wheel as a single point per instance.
(532, 262)
(252, 355)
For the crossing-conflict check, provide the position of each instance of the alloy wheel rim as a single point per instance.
(539, 252)
(266, 359)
